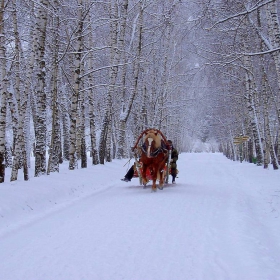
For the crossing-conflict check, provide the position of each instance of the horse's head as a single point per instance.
(152, 141)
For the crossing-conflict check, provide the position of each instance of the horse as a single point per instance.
(153, 158)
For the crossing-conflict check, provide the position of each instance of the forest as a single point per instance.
(83, 77)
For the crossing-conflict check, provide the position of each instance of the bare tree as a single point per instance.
(3, 93)
(20, 155)
(91, 96)
(55, 145)
(104, 145)
(40, 94)
(76, 87)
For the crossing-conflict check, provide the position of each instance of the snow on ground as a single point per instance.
(220, 221)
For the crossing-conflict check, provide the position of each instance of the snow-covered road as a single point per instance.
(220, 221)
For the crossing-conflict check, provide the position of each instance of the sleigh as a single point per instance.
(138, 172)
(148, 172)
(152, 158)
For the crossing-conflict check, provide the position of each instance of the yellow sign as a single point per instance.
(245, 138)
(240, 139)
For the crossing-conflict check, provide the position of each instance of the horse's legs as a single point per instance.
(144, 178)
(161, 175)
(161, 179)
(154, 186)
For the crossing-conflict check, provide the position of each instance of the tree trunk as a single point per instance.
(277, 144)
(113, 72)
(268, 139)
(82, 129)
(76, 90)
(250, 100)
(123, 69)
(3, 94)
(136, 70)
(20, 155)
(65, 126)
(41, 126)
(26, 102)
(93, 148)
(91, 109)
(55, 145)
(274, 38)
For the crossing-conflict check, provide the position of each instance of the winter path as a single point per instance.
(221, 221)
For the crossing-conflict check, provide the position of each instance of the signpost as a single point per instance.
(239, 140)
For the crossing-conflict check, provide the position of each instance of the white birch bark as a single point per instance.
(268, 137)
(76, 89)
(91, 97)
(277, 147)
(65, 125)
(274, 38)
(114, 59)
(40, 94)
(20, 155)
(55, 145)
(253, 115)
(24, 115)
(14, 117)
(127, 106)
(161, 116)
(82, 129)
(269, 146)
(124, 112)
(3, 93)
(250, 101)
(79, 127)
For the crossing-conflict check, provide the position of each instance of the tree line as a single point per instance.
(85, 76)
(246, 74)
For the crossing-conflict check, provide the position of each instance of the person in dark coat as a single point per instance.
(173, 161)
(128, 176)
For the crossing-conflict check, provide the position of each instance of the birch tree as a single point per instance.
(3, 92)
(76, 87)
(40, 94)
(91, 96)
(55, 145)
(124, 113)
(241, 18)
(20, 154)
(113, 71)
(126, 108)
(274, 36)
(267, 101)
(82, 127)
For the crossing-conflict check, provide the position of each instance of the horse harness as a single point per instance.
(154, 153)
